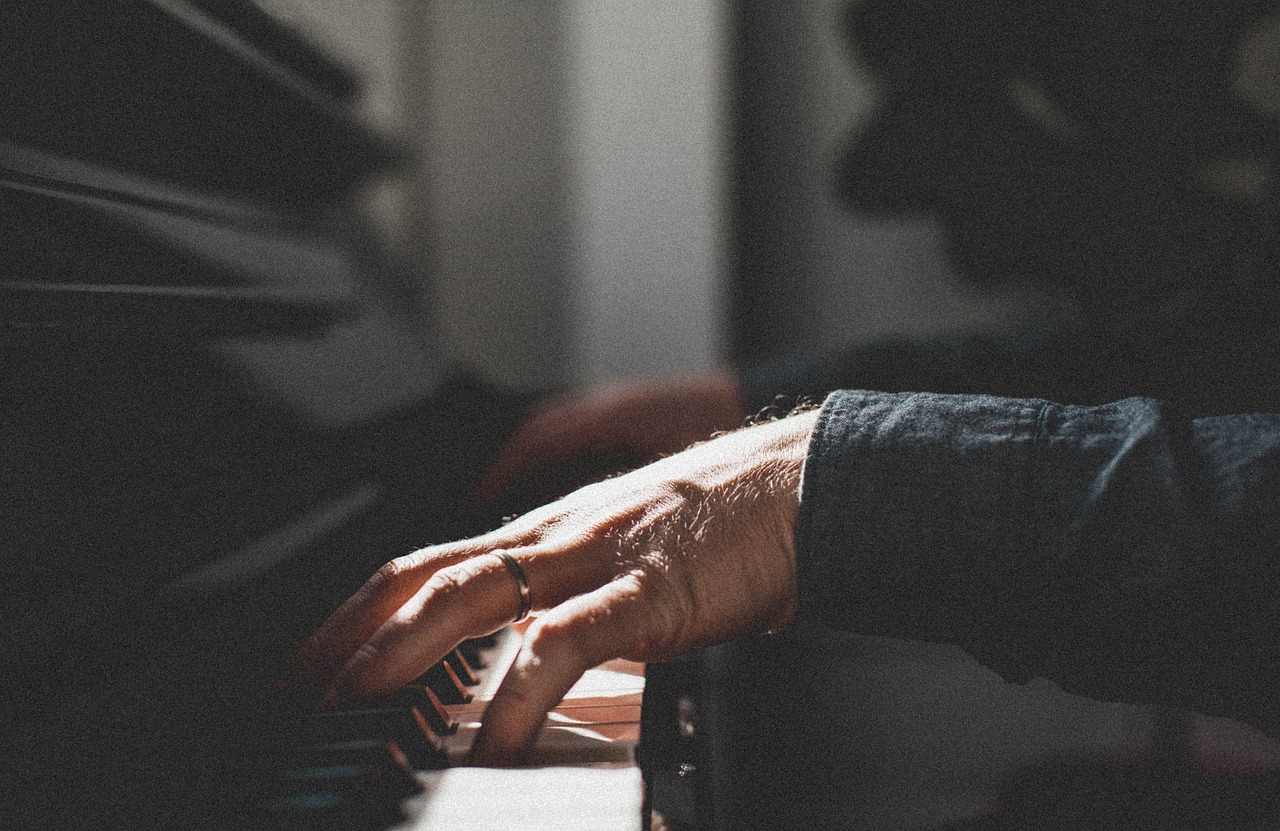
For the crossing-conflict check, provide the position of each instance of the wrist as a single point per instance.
(755, 474)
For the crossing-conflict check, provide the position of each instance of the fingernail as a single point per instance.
(328, 702)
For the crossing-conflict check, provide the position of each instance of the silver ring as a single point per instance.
(526, 600)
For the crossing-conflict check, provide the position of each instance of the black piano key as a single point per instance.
(357, 752)
(406, 726)
(387, 781)
(442, 680)
(429, 704)
(329, 810)
(476, 649)
(462, 668)
(472, 649)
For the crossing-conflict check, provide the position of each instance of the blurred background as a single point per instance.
(604, 188)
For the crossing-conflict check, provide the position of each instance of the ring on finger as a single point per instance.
(522, 582)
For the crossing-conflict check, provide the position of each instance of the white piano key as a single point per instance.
(580, 798)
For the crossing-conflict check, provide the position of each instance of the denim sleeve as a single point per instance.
(1116, 548)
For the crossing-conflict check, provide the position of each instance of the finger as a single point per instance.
(1223, 747)
(465, 599)
(362, 614)
(552, 434)
(558, 648)
(1210, 747)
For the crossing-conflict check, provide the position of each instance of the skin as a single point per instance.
(691, 550)
(646, 419)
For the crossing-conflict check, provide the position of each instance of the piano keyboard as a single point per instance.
(582, 774)
(223, 413)
(401, 765)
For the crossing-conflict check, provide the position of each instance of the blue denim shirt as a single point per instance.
(1121, 549)
(1124, 542)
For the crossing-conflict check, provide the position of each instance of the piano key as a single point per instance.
(595, 714)
(442, 680)
(462, 668)
(329, 810)
(624, 707)
(600, 798)
(429, 704)
(406, 726)
(388, 781)
(356, 752)
(562, 744)
(475, 649)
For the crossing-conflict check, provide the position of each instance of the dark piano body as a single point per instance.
(217, 418)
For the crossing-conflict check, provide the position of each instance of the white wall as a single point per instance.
(646, 99)
(490, 215)
(572, 185)
(566, 206)
(567, 211)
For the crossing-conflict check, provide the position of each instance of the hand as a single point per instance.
(644, 418)
(689, 551)
(1209, 747)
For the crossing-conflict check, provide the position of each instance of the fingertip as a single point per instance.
(503, 741)
(347, 685)
(489, 754)
(543, 671)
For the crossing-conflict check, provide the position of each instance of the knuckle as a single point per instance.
(538, 525)
(545, 419)
(389, 572)
(393, 572)
(670, 615)
(556, 641)
(445, 583)
(357, 675)
(367, 655)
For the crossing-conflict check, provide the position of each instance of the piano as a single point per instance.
(220, 416)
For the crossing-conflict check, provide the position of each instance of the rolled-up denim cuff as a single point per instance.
(909, 500)
(983, 520)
